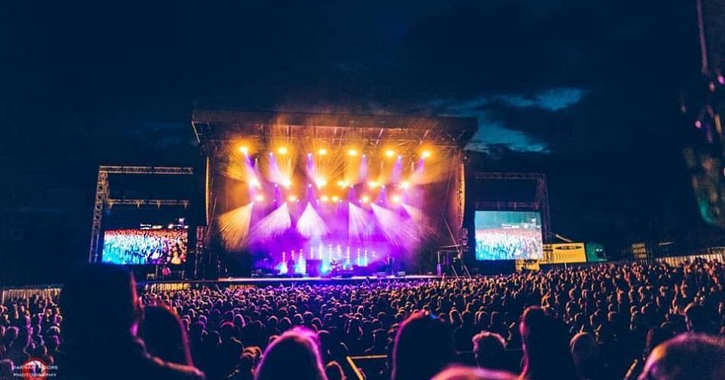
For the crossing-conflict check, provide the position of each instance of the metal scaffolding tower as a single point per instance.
(103, 197)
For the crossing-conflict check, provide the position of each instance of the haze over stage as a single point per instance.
(342, 191)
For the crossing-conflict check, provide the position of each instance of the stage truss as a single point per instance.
(220, 126)
(103, 197)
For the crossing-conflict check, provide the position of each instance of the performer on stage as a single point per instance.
(291, 266)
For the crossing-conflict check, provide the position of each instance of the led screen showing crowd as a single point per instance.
(508, 235)
(148, 245)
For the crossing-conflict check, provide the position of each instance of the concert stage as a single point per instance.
(315, 194)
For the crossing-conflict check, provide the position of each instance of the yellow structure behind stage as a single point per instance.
(560, 253)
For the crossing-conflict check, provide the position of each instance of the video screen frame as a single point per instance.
(146, 245)
(508, 235)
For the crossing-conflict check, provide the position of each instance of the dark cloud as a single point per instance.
(583, 90)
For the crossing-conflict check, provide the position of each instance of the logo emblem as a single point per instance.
(35, 369)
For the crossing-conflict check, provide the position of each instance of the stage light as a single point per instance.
(390, 153)
(396, 198)
(259, 197)
(244, 149)
(325, 198)
(322, 152)
(282, 150)
(352, 152)
(405, 185)
(335, 198)
(320, 182)
(254, 182)
(365, 199)
(372, 184)
(341, 183)
(287, 182)
(291, 198)
(426, 154)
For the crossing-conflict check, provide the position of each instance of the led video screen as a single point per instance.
(148, 245)
(508, 235)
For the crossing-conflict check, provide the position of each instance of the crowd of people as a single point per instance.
(145, 246)
(509, 244)
(611, 321)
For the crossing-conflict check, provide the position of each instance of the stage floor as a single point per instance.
(291, 280)
(275, 281)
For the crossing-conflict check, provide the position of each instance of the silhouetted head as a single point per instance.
(164, 335)
(655, 337)
(546, 347)
(468, 373)
(333, 370)
(6, 369)
(488, 349)
(423, 346)
(584, 352)
(686, 357)
(100, 302)
(293, 355)
(696, 318)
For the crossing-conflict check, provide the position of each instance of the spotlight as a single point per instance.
(390, 153)
(244, 149)
(292, 198)
(287, 182)
(325, 198)
(396, 198)
(254, 182)
(365, 199)
(259, 197)
(352, 152)
(341, 183)
(405, 185)
(425, 154)
(335, 198)
(322, 152)
(282, 150)
(320, 182)
(372, 184)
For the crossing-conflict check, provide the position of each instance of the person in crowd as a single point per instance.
(655, 336)
(245, 367)
(687, 357)
(101, 317)
(7, 369)
(546, 348)
(586, 356)
(468, 373)
(422, 348)
(334, 371)
(164, 335)
(489, 350)
(617, 305)
(293, 355)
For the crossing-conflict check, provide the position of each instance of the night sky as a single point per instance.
(585, 91)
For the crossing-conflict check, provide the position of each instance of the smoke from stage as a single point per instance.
(318, 194)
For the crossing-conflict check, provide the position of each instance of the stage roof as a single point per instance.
(214, 126)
